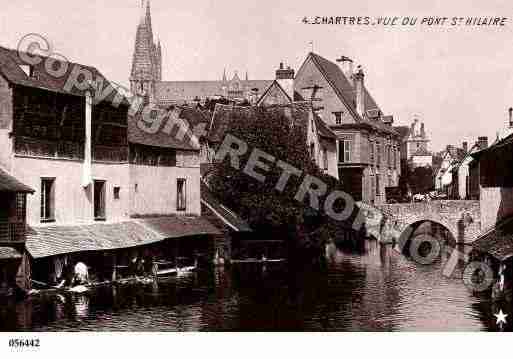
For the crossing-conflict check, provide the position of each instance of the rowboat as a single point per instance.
(255, 260)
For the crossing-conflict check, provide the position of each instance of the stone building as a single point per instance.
(450, 158)
(463, 177)
(495, 245)
(146, 75)
(320, 139)
(104, 188)
(415, 145)
(13, 256)
(368, 148)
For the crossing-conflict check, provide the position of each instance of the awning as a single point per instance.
(227, 216)
(9, 183)
(179, 226)
(9, 253)
(498, 242)
(46, 241)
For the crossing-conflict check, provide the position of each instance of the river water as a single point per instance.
(377, 290)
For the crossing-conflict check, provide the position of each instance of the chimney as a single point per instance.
(510, 111)
(482, 142)
(388, 120)
(465, 146)
(254, 96)
(285, 77)
(360, 91)
(347, 67)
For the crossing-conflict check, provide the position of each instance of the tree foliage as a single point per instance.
(267, 209)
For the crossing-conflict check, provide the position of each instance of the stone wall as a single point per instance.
(461, 218)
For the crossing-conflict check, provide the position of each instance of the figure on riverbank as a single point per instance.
(81, 273)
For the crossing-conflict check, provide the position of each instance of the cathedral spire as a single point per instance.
(146, 61)
(147, 16)
(224, 75)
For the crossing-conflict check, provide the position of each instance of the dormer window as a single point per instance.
(338, 117)
(28, 70)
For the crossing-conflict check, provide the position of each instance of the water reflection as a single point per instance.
(377, 290)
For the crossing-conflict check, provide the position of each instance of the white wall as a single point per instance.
(496, 204)
(73, 203)
(156, 192)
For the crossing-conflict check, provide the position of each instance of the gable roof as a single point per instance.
(10, 68)
(160, 138)
(336, 77)
(9, 183)
(277, 85)
(347, 92)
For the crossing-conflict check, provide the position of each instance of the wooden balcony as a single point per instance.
(12, 233)
(36, 147)
(115, 154)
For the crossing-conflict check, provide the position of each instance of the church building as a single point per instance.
(146, 75)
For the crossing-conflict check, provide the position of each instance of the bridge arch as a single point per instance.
(411, 230)
(460, 218)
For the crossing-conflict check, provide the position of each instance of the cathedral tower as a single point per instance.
(147, 58)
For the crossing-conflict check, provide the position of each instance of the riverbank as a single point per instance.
(375, 290)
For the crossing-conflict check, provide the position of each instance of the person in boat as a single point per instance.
(81, 274)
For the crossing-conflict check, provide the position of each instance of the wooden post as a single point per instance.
(155, 268)
(114, 268)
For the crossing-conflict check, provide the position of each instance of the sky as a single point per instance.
(458, 80)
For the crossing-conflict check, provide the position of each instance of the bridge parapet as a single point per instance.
(461, 218)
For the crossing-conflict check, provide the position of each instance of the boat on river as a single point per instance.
(171, 268)
(258, 261)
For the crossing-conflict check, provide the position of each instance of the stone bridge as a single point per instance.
(388, 222)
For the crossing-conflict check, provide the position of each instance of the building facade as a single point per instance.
(146, 75)
(415, 145)
(451, 157)
(321, 141)
(13, 256)
(102, 183)
(368, 148)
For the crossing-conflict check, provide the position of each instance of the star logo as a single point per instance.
(501, 317)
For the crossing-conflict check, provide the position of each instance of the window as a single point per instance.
(312, 151)
(338, 118)
(181, 199)
(373, 185)
(47, 199)
(325, 158)
(378, 153)
(116, 192)
(99, 200)
(21, 206)
(344, 150)
(371, 152)
(394, 150)
(389, 155)
(377, 185)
